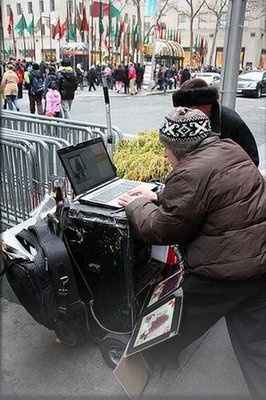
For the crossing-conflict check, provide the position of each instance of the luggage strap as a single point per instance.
(56, 256)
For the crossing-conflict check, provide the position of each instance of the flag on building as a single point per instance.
(84, 23)
(57, 29)
(72, 31)
(10, 25)
(101, 27)
(21, 25)
(78, 20)
(96, 9)
(38, 25)
(62, 30)
(114, 12)
(121, 30)
(136, 36)
(30, 28)
(150, 8)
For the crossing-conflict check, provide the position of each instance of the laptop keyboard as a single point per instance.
(109, 194)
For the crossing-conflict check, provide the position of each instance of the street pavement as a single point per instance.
(34, 366)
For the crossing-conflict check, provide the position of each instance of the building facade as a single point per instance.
(42, 29)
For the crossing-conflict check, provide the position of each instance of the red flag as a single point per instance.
(78, 20)
(57, 29)
(10, 22)
(96, 9)
(62, 30)
(159, 30)
(121, 30)
(84, 23)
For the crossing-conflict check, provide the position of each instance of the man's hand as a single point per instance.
(136, 193)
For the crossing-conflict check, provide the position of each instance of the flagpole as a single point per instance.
(14, 41)
(110, 28)
(2, 34)
(50, 37)
(24, 41)
(41, 36)
(90, 33)
(75, 16)
(34, 46)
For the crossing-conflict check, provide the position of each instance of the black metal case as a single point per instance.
(112, 266)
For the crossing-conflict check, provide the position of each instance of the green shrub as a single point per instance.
(141, 158)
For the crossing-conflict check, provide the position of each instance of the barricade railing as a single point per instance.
(40, 137)
(17, 182)
(72, 131)
(45, 167)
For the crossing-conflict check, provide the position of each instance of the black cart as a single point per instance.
(113, 270)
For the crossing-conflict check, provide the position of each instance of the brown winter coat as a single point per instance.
(214, 206)
(9, 84)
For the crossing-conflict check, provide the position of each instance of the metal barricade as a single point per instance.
(72, 131)
(45, 168)
(17, 181)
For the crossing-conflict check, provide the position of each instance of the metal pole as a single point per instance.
(232, 49)
(152, 82)
(51, 45)
(42, 53)
(90, 33)
(108, 118)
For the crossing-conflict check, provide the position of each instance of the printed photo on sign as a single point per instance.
(165, 287)
(155, 324)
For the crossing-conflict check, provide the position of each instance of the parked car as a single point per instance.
(252, 83)
(212, 78)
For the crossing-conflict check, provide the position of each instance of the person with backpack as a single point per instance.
(67, 85)
(36, 89)
(53, 101)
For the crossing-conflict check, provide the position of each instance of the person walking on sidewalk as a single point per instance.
(196, 93)
(132, 76)
(214, 206)
(53, 101)
(92, 78)
(80, 76)
(36, 89)
(119, 78)
(67, 84)
(9, 87)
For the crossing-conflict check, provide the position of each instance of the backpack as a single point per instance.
(37, 86)
(46, 286)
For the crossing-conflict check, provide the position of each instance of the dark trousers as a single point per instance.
(243, 304)
(38, 100)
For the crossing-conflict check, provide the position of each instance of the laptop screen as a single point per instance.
(87, 165)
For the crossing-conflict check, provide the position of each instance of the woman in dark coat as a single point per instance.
(92, 78)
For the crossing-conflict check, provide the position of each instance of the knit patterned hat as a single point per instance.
(183, 124)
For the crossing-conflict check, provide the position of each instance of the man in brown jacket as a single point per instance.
(214, 206)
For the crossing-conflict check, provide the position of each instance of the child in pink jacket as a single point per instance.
(53, 101)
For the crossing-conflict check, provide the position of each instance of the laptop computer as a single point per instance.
(92, 174)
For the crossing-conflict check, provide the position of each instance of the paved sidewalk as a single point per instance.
(35, 367)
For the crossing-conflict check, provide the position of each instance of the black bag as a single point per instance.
(46, 286)
(37, 86)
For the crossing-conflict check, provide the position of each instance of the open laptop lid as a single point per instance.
(87, 165)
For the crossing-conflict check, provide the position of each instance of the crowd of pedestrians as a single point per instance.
(63, 80)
